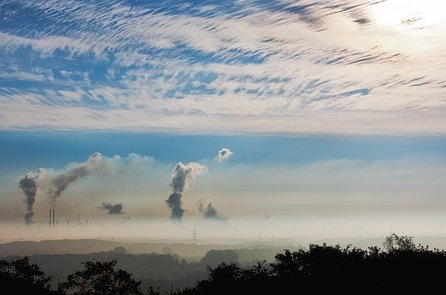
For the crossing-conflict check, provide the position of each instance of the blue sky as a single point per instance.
(349, 67)
(335, 108)
(27, 150)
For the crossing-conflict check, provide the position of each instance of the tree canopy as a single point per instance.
(400, 267)
(101, 278)
(22, 277)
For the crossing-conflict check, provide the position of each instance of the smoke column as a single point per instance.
(29, 185)
(181, 175)
(54, 183)
(59, 183)
(209, 211)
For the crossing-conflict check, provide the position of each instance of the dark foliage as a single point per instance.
(22, 277)
(402, 268)
(101, 278)
(321, 268)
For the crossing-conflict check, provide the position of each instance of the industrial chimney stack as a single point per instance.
(52, 221)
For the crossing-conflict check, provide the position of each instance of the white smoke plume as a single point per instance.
(209, 211)
(52, 183)
(181, 176)
(60, 182)
(223, 155)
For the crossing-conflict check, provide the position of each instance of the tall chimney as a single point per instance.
(54, 218)
(50, 218)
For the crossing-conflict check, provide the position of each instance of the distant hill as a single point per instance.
(156, 264)
(56, 247)
(189, 252)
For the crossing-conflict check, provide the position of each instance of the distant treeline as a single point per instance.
(188, 251)
(400, 266)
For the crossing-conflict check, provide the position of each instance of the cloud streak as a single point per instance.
(247, 66)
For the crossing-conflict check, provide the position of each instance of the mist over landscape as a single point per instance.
(221, 147)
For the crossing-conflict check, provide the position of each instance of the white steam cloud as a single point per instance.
(52, 183)
(60, 182)
(209, 211)
(181, 176)
(223, 155)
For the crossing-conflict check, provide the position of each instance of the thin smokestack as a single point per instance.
(49, 223)
(54, 217)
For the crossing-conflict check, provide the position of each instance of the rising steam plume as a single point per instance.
(53, 184)
(209, 211)
(59, 183)
(29, 184)
(181, 176)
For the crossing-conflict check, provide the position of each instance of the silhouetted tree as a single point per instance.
(101, 278)
(399, 243)
(22, 277)
(322, 269)
(401, 268)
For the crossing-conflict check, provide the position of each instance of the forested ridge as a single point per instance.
(399, 266)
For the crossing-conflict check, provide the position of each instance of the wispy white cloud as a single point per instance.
(311, 66)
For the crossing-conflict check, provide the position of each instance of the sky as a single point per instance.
(295, 117)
